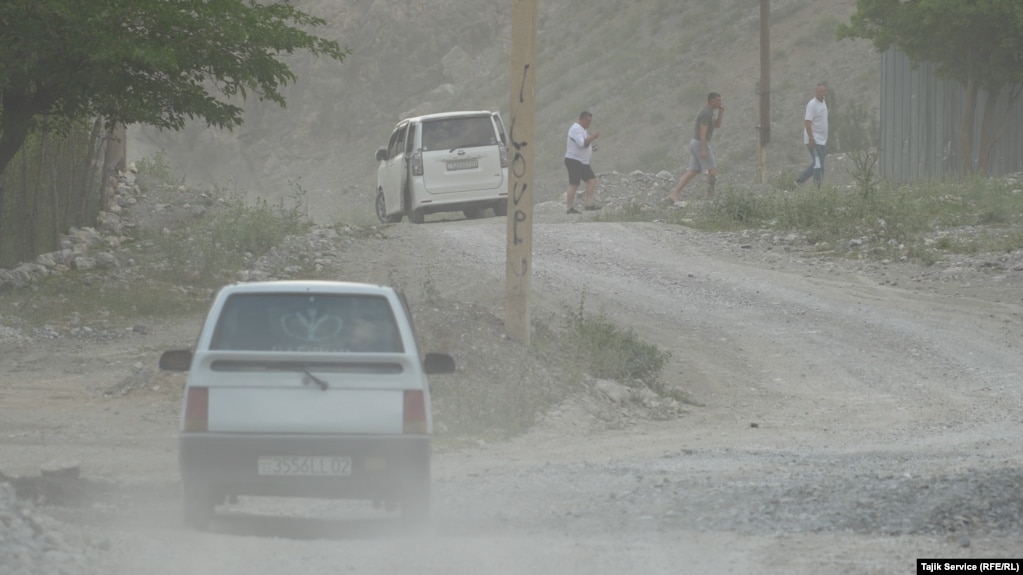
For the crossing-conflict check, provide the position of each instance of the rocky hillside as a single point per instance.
(644, 72)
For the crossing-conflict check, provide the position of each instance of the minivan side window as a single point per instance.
(410, 141)
(390, 142)
(397, 145)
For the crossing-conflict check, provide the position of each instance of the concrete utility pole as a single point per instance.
(764, 90)
(521, 143)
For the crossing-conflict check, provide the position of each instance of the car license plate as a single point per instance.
(304, 466)
(463, 164)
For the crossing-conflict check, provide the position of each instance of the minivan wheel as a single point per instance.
(381, 209)
(417, 217)
(501, 209)
(473, 213)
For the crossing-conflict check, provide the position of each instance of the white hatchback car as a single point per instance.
(306, 389)
(454, 161)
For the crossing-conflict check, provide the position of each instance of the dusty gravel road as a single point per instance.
(847, 417)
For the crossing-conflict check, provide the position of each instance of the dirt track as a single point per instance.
(847, 417)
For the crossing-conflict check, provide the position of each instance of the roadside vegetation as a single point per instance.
(916, 222)
(608, 351)
(504, 389)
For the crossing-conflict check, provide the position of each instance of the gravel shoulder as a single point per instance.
(846, 416)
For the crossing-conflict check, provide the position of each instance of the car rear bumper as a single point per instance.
(382, 467)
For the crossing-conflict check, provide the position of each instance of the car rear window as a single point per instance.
(453, 133)
(307, 322)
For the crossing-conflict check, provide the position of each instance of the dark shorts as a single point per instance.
(578, 172)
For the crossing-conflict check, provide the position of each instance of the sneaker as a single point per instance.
(572, 211)
(592, 208)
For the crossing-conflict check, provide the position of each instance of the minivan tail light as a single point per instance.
(415, 412)
(197, 409)
(417, 163)
(504, 155)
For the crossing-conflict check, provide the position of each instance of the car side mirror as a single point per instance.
(176, 360)
(381, 155)
(438, 363)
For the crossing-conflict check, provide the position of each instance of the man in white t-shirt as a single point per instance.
(815, 135)
(577, 160)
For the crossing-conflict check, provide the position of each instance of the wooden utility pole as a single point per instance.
(764, 90)
(521, 144)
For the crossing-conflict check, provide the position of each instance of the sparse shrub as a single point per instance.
(926, 257)
(157, 168)
(255, 227)
(740, 207)
(208, 250)
(630, 212)
(609, 351)
(864, 164)
(784, 180)
(991, 217)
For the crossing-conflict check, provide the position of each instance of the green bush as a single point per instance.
(611, 352)
(157, 168)
(896, 219)
(209, 250)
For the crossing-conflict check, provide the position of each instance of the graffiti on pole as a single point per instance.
(519, 168)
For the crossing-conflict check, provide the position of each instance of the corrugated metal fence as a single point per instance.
(920, 116)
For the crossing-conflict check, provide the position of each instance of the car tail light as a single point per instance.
(415, 412)
(417, 163)
(197, 409)
(504, 155)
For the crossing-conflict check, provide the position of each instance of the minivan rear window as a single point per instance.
(307, 322)
(454, 133)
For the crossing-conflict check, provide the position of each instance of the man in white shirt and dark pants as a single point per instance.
(815, 135)
(577, 160)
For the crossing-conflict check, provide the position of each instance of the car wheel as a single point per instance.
(417, 216)
(381, 209)
(473, 213)
(196, 508)
(501, 209)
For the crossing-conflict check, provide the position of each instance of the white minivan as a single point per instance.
(306, 389)
(447, 162)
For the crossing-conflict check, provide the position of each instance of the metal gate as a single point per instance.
(920, 119)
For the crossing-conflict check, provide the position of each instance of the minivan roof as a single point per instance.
(462, 113)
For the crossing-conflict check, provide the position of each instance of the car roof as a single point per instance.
(318, 286)
(458, 114)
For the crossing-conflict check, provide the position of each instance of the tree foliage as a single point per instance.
(156, 62)
(977, 43)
